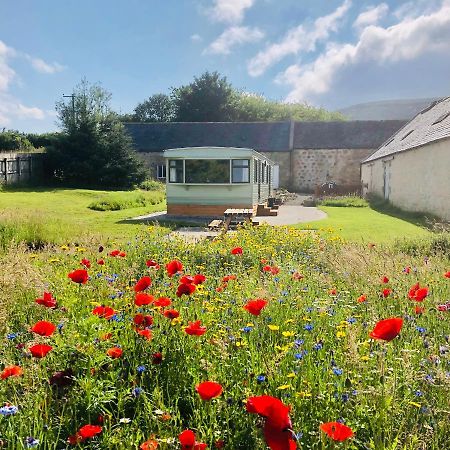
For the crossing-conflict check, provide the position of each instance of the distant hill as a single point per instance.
(387, 109)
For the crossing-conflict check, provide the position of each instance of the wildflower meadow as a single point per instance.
(269, 337)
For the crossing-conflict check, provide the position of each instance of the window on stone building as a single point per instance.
(161, 172)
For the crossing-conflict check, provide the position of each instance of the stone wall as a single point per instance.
(312, 167)
(151, 161)
(283, 159)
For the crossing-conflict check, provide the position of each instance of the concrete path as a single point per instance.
(292, 214)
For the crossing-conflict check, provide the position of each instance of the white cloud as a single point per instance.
(11, 107)
(297, 40)
(231, 37)
(43, 67)
(229, 11)
(404, 41)
(371, 16)
(196, 38)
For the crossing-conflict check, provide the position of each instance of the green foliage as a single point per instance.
(255, 108)
(94, 150)
(126, 200)
(157, 108)
(209, 98)
(152, 185)
(351, 201)
(435, 245)
(43, 140)
(11, 141)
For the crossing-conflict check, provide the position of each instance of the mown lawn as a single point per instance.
(62, 214)
(365, 224)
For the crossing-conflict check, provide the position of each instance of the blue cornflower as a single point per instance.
(429, 378)
(8, 410)
(137, 391)
(318, 346)
(308, 327)
(351, 320)
(337, 371)
(99, 275)
(261, 378)
(345, 397)
(31, 442)
(418, 393)
(421, 329)
(60, 326)
(299, 342)
(12, 336)
(141, 369)
(247, 329)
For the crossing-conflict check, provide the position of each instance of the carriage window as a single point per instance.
(176, 171)
(207, 171)
(241, 171)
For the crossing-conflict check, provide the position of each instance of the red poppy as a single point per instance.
(387, 329)
(143, 284)
(385, 280)
(174, 267)
(419, 310)
(157, 358)
(337, 431)
(145, 333)
(86, 263)
(361, 299)
(47, 300)
(186, 289)
(209, 390)
(266, 268)
(114, 352)
(151, 444)
(199, 278)
(188, 442)
(297, 276)
(186, 279)
(255, 306)
(228, 278)
(237, 251)
(142, 320)
(274, 270)
(163, 302)
(417, 293)
(151, 263)
(447, 274)
(407, 270)
(171, 313)
(141, 298)
(386, 292)
(40, 350)
(11, 371)
(79, 276)
(89, 431)
(43, 328)
(114, 253)
(277, 427)
(195, 329)
(333, 291)
(219, 443)
(104, 311)
(101, 262)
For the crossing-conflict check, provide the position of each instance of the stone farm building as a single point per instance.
(412, 168)
(307, 153)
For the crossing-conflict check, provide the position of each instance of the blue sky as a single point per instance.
(330, 53)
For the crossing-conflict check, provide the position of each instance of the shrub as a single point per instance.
(126, 200)
(152, 185)
(349, 201)
(435, 245)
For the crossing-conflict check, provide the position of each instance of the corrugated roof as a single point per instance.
(352, 134)
(431, 124)
(260, 136)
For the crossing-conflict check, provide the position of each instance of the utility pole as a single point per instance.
(72, 96)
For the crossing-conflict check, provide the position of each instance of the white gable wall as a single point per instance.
(417, 179)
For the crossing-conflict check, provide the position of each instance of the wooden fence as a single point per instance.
(20, 168)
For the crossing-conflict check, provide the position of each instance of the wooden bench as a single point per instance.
(215, 224)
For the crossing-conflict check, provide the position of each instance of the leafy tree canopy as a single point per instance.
(93, 149)
(211, 98)
(11, 140)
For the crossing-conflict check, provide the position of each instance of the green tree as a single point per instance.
(11, 140)
(94, 149)
(209, 98)
(157, 108)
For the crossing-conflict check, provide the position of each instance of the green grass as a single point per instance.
(345, 202)
(365, 224)
(62, 215)
(117, 201)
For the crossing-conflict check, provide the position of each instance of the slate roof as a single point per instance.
(260, 136)
(351, 134)
(431, 124)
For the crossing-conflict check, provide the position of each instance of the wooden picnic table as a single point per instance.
(237, 215)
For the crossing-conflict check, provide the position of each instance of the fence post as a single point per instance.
(5, 165)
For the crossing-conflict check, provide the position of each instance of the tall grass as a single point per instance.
(348, 201)
(124, 200)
